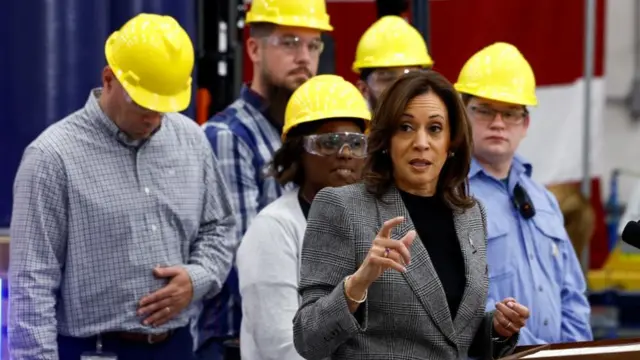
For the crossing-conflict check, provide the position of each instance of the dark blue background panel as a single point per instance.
(52, 54)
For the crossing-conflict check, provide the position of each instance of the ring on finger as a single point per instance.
(386, 252)
(508, 326)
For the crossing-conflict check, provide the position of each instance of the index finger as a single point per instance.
(385, 231)
(508, 300)
(519, 308)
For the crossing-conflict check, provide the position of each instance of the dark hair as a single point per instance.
(286, 165)
(261, 29)
(453, 183)
(466, 98)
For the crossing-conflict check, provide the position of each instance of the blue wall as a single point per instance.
(51, 55)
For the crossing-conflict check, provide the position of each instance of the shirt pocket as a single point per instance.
(499, 249)
(550, 238)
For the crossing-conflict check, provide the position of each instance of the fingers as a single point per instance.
(385, 231)
(512, 304)
(517, 321)
(508, 300)
(408, 238)
(502, 325)
(398, 246)
(522, 310)
(160, 316)
(388, 262)
(159, 295)
(167, 272)
(155, 306)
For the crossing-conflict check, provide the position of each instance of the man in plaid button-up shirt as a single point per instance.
(244, 138)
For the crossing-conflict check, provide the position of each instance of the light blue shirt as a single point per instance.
(532, 260)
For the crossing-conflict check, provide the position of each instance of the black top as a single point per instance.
(304, 205)
(433, 221)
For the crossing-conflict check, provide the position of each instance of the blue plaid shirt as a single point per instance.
(244, 141)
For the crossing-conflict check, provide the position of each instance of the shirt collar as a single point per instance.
(258, 102)
(93, 109)
(254, 99)
(518, 165)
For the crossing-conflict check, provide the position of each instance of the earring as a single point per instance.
(451, 154)
(384, 151)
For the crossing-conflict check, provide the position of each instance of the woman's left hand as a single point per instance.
(509, 317)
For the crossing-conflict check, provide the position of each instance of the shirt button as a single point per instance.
(146, 190)
(546, 322)
(531, 256)
(540, 288)
(153, 228)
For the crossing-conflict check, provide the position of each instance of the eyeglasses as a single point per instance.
(293, 44)
(333, 143)
(487, 114)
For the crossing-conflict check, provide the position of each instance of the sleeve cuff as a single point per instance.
(504, 346)
(350, 321)
(199, 281)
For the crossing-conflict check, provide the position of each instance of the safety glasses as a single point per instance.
(293, 44)
(334, 143)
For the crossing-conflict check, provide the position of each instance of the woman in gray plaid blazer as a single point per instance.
(366, 295)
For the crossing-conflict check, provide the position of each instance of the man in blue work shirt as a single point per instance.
(285, 46)
(529, 252)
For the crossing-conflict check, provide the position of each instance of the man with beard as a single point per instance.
(284, 46)
(388, 49)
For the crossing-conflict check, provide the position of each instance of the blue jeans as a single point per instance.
(179, 346)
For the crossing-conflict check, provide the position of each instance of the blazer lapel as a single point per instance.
(420, 274)
(474, 291)
(468, 249)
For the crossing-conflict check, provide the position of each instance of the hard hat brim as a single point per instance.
(357, 67)
(321, 116)
(294, 22)
(492, 94)
(157, 102)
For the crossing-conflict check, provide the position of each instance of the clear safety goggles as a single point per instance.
(293, 44)
(333, 143)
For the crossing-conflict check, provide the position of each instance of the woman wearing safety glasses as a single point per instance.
(323, 146)
(395, 267)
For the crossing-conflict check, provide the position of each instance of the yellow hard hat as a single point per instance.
(300, 13)
(324, 97)
(389, 42)
(152, 57)
(499, 72)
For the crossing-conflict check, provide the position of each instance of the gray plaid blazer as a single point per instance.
(406, 316)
